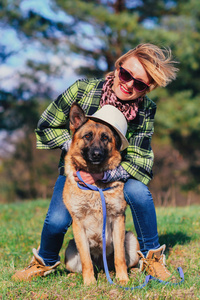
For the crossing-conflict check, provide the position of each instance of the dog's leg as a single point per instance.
(84, 251)
(119, 251)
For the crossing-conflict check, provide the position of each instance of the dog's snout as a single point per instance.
(97, 154)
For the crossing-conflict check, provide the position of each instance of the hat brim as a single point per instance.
(124, 141)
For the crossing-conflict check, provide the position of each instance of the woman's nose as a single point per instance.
(130, 83)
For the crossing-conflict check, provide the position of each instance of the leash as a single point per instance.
(87, 186)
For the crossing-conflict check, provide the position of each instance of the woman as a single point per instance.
(138, 72)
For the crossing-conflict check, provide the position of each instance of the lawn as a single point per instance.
(20, 229)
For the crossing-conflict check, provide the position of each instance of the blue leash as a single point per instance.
(87, 186)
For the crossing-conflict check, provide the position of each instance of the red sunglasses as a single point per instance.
(125, 76)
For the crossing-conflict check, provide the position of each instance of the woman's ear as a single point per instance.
(116, 72)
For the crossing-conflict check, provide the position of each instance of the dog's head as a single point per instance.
(95, 145)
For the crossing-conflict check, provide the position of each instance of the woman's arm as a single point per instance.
(138, 158)
(53, 127)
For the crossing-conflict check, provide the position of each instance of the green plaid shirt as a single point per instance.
(53, 127)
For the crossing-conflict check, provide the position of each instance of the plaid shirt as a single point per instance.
(53, 127)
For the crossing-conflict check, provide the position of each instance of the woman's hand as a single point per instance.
(88, 177)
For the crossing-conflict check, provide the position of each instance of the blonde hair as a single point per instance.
(157, 62)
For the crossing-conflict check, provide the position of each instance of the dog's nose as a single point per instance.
(96, 154)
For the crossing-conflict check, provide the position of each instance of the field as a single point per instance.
(20, 229)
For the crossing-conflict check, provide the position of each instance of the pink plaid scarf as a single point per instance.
(128, 108)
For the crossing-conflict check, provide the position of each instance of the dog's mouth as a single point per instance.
(95, 162)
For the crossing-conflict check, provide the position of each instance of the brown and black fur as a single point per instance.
(95, 148)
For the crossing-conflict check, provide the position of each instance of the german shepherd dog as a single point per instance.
(94, 149)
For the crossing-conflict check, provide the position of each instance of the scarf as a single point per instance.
(128, 108)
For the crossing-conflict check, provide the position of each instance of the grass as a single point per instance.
(20, 229)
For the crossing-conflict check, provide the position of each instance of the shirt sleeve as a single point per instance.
(53, 127)
(137, 159)
(114, 175)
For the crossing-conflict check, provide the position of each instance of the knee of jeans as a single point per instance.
(58, 223)
(136, 191)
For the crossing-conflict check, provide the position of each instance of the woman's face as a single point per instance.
(125, 90)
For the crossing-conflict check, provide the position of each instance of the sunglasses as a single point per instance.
(138, 85)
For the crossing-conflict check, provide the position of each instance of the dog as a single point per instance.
(95, 148)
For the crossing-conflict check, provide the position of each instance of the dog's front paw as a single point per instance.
(123, 278)
(89, 280)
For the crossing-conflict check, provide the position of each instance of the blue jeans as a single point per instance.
(58, 220)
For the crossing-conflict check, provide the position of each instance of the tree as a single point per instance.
(22, 103)
(179, 122)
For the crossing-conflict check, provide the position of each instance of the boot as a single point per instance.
(36, 268)
(154, 264)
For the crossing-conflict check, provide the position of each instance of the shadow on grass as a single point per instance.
(172, 239)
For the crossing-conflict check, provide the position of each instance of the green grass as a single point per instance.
(20, 229)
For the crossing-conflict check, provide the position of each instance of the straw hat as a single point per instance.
(112, 116)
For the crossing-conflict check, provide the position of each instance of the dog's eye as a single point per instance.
(104, 137)
(88, 136)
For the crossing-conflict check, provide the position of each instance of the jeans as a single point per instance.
(58, 220)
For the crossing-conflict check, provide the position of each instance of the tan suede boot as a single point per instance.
(154, 264)
(36, 268)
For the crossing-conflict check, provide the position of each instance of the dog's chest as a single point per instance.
(89, 204)
(86, 207)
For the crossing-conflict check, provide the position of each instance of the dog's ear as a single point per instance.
(76, 116)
